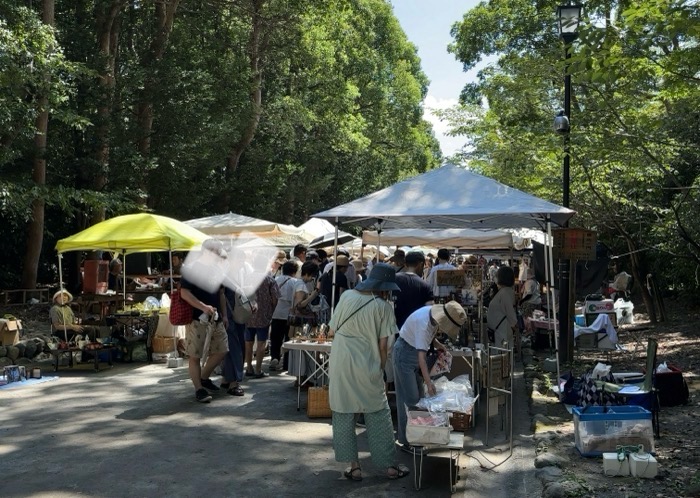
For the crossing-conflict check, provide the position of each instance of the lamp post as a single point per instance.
(569, 17)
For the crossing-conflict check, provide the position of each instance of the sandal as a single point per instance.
(353, 474)
(236, 391)
(401, 471)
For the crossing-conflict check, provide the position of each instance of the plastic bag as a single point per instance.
(663, 368)
(601, 371)
(447, 401)
(165, 301)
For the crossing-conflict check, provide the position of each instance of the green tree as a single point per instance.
(631, 69)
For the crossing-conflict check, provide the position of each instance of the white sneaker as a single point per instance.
(273, 364)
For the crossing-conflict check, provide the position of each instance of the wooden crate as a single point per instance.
(461, 421)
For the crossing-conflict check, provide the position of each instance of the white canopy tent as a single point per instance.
(452, 197)
(449, 197)
(450, 238)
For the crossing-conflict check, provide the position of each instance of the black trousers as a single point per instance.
(278, 335)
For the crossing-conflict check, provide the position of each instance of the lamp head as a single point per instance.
(561, 123)
(569, 17)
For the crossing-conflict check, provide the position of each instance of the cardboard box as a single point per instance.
(427, 434)
(9, 331)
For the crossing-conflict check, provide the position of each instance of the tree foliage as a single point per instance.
(270, 108)
(634, 139)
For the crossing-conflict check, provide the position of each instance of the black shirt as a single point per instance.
(341, 282)
(415, 292)
(204, 296)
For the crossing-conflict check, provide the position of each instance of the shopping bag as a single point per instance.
(180, 310)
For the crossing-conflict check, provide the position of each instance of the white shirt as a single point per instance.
(417, 329)
(288, 287)
(440, 290)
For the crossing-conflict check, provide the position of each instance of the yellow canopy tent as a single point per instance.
(141, 232)
(130, 233)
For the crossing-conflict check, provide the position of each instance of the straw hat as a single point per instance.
(59, 293)
(342, 260)
(450, 317)
(358, 264)
(381, 278)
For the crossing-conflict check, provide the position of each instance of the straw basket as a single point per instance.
(317, 405)
(460, 421)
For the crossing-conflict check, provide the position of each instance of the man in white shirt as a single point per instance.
(443, 258)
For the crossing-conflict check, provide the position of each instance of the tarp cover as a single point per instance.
(457, 238)
(141, 232)
(449, 197)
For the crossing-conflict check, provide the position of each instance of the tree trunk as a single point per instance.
(35, 228)
(255, 48)
(107, 39)
(164, 18)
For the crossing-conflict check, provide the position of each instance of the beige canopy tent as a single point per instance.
(242, 226)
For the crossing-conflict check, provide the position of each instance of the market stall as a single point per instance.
(451, 197)
(128, 234)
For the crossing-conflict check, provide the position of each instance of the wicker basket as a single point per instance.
(460, 421)
(317, 404)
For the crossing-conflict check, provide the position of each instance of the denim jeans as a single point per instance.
(408, 383)
(233, 361)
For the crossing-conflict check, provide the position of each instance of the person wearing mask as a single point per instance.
(409, 356)
(362, 324)
(501, 316)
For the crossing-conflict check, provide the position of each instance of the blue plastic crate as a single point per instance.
(599, 429)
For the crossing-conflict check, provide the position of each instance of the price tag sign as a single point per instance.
(574, 243)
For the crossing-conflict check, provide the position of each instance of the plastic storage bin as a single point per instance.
(624, 311)
(599, 429)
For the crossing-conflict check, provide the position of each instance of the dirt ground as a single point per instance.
(677, 449)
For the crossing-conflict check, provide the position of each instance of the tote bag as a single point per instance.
(180, 310)
(242, 308)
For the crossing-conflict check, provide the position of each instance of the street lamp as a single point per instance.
(569, 17)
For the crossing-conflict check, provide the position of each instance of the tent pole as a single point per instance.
(60, 271)
(124, 279)
(554, 303)
(335, 267)
(170, 264)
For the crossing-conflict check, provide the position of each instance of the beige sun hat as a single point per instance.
(61, 292)
(450, 317)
